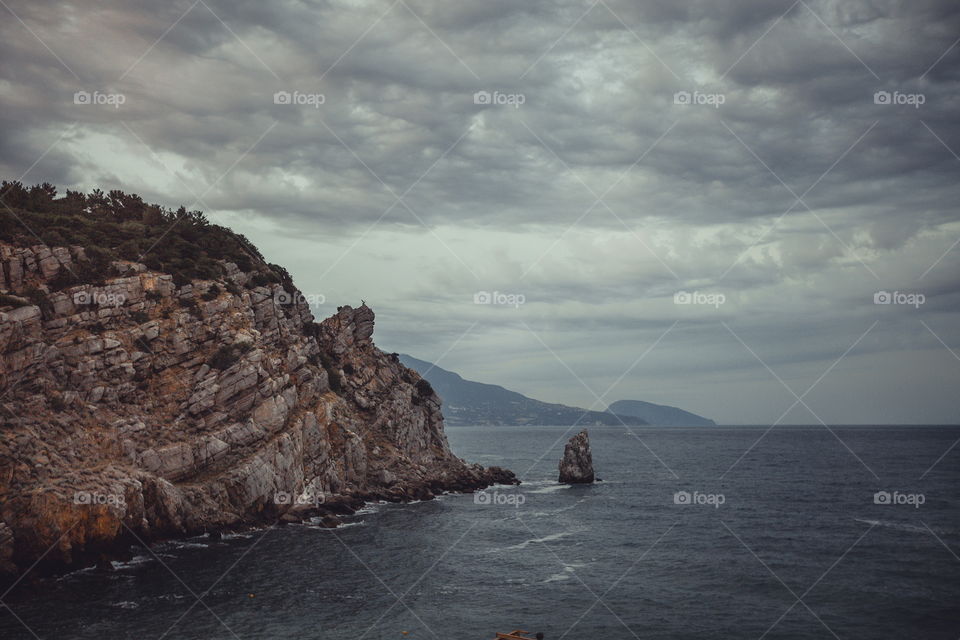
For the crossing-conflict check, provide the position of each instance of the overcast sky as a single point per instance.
(590, 160)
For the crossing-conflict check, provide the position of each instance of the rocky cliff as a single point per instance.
(134, 409)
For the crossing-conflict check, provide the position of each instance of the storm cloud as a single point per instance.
(709, 196)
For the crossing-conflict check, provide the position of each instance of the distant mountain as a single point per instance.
(468, 403)
(659, 414)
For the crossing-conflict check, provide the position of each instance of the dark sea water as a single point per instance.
(786, 543)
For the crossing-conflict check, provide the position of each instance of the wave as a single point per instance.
(566, 574)
(132, 562)
(550, 488)
(527, 543)
(898, 526)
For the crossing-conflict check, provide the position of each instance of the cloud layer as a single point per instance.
(596, 158)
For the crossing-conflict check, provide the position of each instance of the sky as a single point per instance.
(745, 208)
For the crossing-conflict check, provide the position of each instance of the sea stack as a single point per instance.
(576, 466)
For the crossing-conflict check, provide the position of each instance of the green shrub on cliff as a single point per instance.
(117, 225)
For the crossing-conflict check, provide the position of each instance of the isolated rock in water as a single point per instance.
(576, 466)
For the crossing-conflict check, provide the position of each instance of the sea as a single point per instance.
(707, 532)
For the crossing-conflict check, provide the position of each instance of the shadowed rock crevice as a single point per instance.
(137, 408)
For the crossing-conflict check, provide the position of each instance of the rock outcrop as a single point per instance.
(576, 466)
(136, 409)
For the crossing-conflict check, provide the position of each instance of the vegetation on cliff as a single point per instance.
(187, 391)
(116, 225)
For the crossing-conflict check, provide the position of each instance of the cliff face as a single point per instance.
(138, 410)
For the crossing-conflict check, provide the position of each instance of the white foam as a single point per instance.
(527, 543)
(899, 526)
(133, 562)
(566, 574)
(550, 488)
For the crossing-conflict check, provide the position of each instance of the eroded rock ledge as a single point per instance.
(139, 410)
